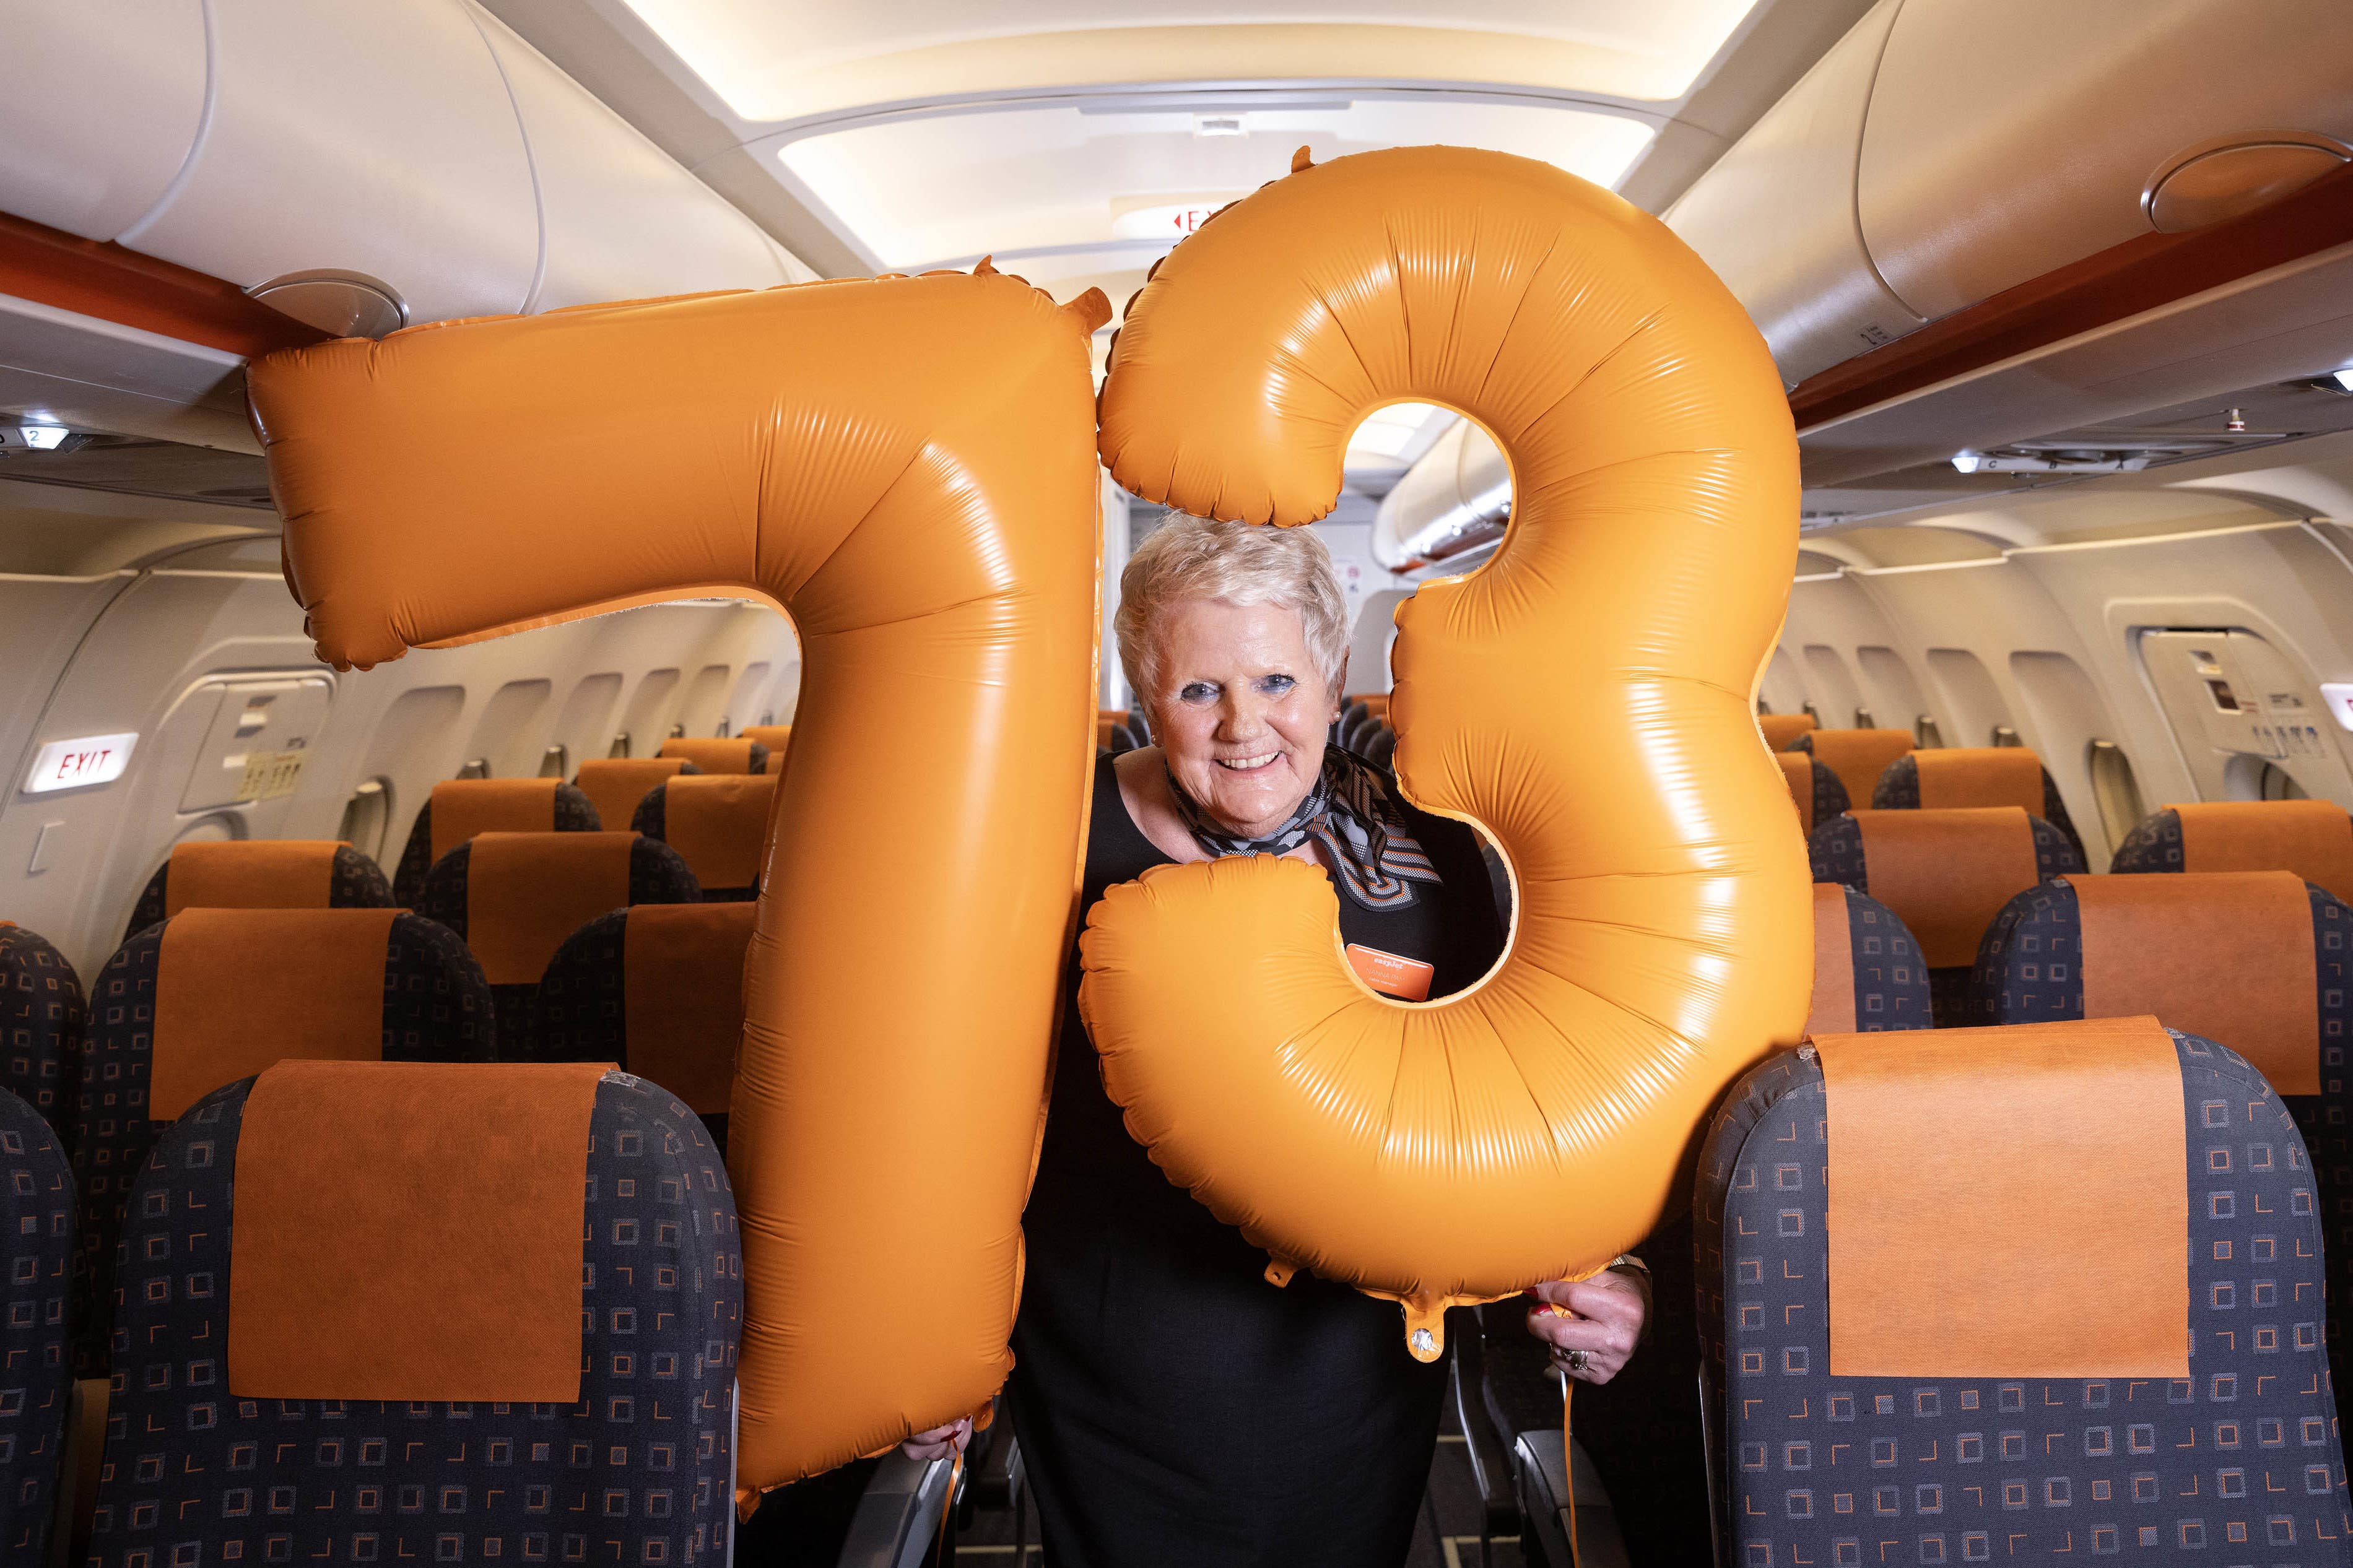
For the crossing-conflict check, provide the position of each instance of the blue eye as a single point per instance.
(1197, 691)
(1276, 684)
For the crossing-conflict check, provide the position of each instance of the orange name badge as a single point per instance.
(1407, 979)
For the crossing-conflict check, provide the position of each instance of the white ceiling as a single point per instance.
(1067, 137)
(771, 62)
(1043, 188)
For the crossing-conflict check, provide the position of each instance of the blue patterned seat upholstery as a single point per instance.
(581, 1010)
(2031, 971)
(36, 1208)
(1891, 979)
(574, 813)
(42, 1020)
(1835, 849)
(355, 883)
(436, 1009)
(657, 875)
(1899, 789)
(637, 1472)
(652, 818)
(2238, 1463)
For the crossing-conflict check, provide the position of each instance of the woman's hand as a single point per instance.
(939, 1442)
(1602, 1325)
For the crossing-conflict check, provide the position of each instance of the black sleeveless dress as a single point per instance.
(1173, 1407)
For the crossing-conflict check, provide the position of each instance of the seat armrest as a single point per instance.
(1541, 1461)
(1490, 1455)
(899, 1515)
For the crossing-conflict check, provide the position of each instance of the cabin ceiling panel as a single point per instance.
(770, 63)
(1082, 186)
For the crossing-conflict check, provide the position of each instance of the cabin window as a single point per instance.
(620, 746)
(678, 731)
(365, 816)
(2249, 777)
(723, 731)
(555, 762)
(1926, 734)
(2003, 735)
(2113, 789)
(475, 768)
(1863, 719)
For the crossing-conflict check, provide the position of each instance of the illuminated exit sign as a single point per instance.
(1170, 223)
(70, 764)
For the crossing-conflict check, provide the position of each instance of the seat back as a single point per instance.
(1961, 777)
(2255, 960)
(2313, 839)
(514, 897)
(775, 737)
(461, 808)
(1781, 730)
(36, 1210)
(1900, 1369)
(260, 874)
(1815, 790)
(724, 754)
(42, 1021)
(1946, 874)
(433, 1314)
(1868, 972)
(719, 824)
(614, 785)
(211, 996)
(1857, 756)
(657, 988)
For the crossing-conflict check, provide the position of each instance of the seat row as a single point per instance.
(379, 1312)
(2069, 1281)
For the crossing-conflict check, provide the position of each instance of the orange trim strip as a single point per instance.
(90, 278)
(2124, 280)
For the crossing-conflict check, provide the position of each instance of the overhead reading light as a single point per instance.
(2336, 381)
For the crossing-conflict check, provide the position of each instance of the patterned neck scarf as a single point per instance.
(1351, 812)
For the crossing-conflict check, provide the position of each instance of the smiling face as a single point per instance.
(1241, 711)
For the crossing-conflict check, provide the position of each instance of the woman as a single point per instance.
(1173, 1407)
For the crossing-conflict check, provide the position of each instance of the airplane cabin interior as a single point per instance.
(660, 904)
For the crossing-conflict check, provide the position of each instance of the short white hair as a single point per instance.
(1189, 557)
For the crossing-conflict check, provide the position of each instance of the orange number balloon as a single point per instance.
(902, 465)
(1587, 697)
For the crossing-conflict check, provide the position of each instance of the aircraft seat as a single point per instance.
(36, 1208)
(407, 1312)
(1857, 756)
(718, 823)
(460, 808)
(1899, 1370)
(1976, 776)
(260, 874)
(2313, 839)
(1643, 1432)
(724, 754)
(1781, 730)
(775, 737)
(1112, 733)
(43, 1019)
(2255, 960)
(212, 995)
(514, 897)
(1813, 787)
(657, 988)
(1946, 873)
(614, 785)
